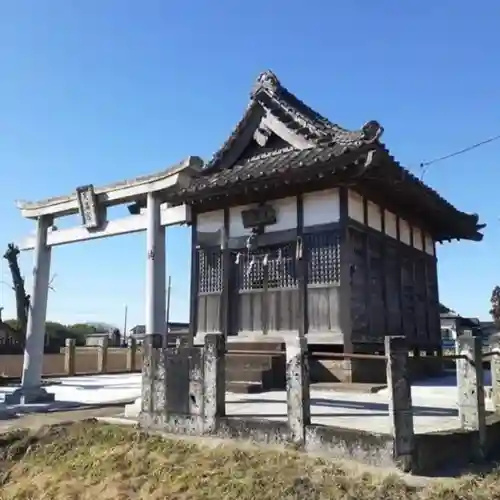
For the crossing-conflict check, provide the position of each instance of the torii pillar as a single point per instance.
(31, 390)
(155, 267)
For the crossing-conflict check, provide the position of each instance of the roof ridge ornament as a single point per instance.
(267, 80)
(372, 131)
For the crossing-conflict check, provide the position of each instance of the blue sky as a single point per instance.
(96, 91)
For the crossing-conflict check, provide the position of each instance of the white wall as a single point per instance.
(210, 222)
(356, 212)
(320, 207)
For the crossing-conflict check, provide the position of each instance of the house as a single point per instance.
(102, 331)
(302, 225)
(453, 325)
(138, 332)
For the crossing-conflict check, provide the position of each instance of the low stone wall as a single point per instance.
(86, 362)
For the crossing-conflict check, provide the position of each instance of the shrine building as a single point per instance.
(302, 226)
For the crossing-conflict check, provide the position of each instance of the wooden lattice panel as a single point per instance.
(323, 256)
(210, 270)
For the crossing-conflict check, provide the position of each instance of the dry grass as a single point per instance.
(89, 460)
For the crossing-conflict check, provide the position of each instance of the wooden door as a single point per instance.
(267, 290)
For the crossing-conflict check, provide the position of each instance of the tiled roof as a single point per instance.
(268, 164)
(327, 145)
(268, 93)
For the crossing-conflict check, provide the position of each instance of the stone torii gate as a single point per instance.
(145, 197)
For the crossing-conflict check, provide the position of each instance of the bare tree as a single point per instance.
(18, 285)
(495, 305)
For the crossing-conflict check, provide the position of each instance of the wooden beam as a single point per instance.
(131, 224)
(226, 305)
(383, 256)
(367, 271)
(400, 275)
(302, 269)
(345, 272)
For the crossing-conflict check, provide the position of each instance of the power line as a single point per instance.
(424, 165)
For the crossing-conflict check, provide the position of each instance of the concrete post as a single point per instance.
(69, 357)
(131, 354)
(214, 380)
(31, 390)
(102, 355)
(400, 404)
(495, 371)
(470, 384)
(297, 388)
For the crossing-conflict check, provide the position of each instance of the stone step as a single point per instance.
(242, 375)
(256, 346)
(249, 361)
(244, 387)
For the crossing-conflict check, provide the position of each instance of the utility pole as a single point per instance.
(169, 290)
(125, 324)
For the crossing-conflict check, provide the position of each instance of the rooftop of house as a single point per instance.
(280, 141)
(173, 326)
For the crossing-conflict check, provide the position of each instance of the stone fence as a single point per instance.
(183, 391)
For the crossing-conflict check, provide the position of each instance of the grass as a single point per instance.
(90, 460)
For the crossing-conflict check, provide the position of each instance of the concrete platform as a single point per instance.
(434, 402)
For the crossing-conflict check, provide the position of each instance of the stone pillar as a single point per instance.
(153, 391)
(297, 388)
(400, 404)
(214, 380)
(470, 384)
(131, 354)
(495, 371)
(69, 357)
(155, 281)
(31, 390)
(102, 355)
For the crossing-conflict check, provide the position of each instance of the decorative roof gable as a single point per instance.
(275, 118)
